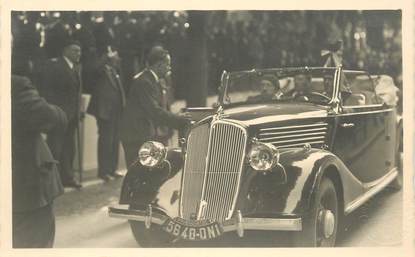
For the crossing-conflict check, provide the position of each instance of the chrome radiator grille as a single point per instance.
(226, 152)
(194, 170)
(292, 136)
(222, 173)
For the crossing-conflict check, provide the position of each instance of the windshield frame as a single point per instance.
(226, 77)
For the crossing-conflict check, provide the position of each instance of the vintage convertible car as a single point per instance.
(290, 149)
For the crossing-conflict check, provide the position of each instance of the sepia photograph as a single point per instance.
(208, 129)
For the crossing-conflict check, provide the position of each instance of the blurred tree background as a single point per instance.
(204, 43)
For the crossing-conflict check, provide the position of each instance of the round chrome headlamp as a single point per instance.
(152, 153)
(263, 156)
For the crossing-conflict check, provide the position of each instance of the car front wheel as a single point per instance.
(151, 237)
(320, 227)
(396, 184)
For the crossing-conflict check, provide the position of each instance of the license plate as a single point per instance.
(192, 230)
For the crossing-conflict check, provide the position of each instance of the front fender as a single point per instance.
(269, 193)
(286, 191)
(158, 186)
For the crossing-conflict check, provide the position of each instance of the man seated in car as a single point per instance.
(270, 90)
(302, 87)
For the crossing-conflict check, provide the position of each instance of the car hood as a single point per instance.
(263, 113)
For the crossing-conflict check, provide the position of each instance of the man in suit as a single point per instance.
(143, 112)
(35, 177)
(270, 90)
(107, 102)
(302, 83)
(61, 85)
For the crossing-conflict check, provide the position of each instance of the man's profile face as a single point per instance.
(73, 53)
(164, 66)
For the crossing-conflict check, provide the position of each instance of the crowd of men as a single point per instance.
(46, 102)
(235, 40)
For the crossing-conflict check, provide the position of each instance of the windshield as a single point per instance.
(314, 85)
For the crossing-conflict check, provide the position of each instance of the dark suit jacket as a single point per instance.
(107, 95)
(143, 111)
(36, 181)
(60, 86)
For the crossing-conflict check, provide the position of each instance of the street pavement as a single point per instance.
(82, 221)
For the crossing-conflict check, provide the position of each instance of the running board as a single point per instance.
(359, 201)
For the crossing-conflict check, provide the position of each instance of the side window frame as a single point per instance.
(376, 100)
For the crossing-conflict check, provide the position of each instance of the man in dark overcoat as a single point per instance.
(35, 178)
(144, 112)
(61, 85)
(107, 102)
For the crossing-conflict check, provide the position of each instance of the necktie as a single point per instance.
(119, 85)
(75, 70)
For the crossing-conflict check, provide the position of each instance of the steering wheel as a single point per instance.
(309, 95)
(312, 94)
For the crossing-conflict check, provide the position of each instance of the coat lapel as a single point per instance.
(154, 82)
(115, 82)
(147, 75)
(71, 72)
(110, 77)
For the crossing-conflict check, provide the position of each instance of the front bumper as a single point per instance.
(238, 223)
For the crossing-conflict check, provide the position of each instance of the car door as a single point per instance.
(365, 131)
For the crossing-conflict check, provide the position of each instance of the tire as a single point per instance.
(397, 183)
(325, 207)
(152, 237)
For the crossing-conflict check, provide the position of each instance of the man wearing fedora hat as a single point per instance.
(61, 85)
